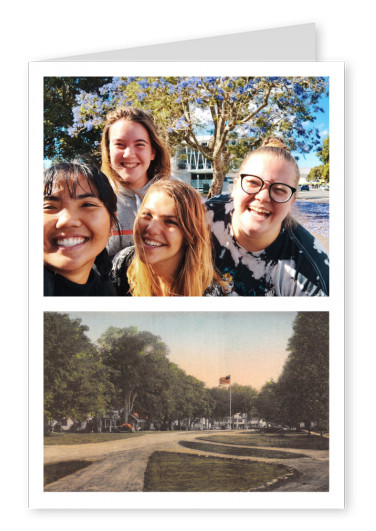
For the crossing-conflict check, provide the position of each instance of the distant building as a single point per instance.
(303, 175)
(192, 167)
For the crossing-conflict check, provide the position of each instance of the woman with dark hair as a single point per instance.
(134, 157)
(259, 248)
(172, 254)
(79, 212)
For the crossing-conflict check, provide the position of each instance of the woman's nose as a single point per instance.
(263, 193)
(67, 218)
(127, 152)
(153, 226)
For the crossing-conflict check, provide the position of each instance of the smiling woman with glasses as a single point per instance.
(259, 248)
(279, 192)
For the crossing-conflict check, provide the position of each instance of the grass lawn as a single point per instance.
(246, 452)
(55, 471)
(173, 472)
(87, 438)
(296, 440)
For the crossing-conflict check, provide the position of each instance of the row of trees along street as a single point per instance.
(236, 112)
(129, 370)
(321, 173)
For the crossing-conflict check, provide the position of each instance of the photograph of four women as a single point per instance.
(131, 228)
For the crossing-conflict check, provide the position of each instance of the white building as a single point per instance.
(192, 167)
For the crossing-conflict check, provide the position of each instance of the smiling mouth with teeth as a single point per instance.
(153, 244)
(129, 165)
(69, 242)
(259, 211)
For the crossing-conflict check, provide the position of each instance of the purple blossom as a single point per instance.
(143, 83)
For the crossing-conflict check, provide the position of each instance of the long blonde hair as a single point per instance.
(196, 272)
(160, 167)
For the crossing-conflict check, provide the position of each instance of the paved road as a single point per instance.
(119, 466)
(311, 209)
(315, 196)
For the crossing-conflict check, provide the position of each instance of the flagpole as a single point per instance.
(230, 406)
(224, 380)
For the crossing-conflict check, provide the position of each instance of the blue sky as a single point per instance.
(322, 123)
(250, 346)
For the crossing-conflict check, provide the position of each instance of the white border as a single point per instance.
(334, 304)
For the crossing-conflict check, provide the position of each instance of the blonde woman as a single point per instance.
(134, 156)
(259, 248)
(172, 255)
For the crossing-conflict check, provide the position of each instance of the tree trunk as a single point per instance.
(220, 168)
(129, 399)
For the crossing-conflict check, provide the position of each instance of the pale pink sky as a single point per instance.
(250, 346)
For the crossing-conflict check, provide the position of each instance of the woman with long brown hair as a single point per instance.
(134, 156)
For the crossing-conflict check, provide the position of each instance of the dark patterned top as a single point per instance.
(295, 264)
(122, 261)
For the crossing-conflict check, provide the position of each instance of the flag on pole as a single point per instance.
(224, 380)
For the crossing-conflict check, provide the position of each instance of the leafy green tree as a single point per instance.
(197, 400)
(221, 402)
(144, 379)
(303, 387)
(59, 98)
(76, 383)
(321, 172)
(268, 402)
(323, 155)
(315, 174)
(235, 111)
(243, 398)
(159, 396)
(134, 359)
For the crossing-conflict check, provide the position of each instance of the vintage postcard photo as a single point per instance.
(186, 402)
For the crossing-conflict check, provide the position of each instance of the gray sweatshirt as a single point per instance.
(128, 204)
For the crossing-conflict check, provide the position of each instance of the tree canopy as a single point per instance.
(301, 393)
(236, 112)
(321, 172)
(267, 402)
(59, 98)
(134, 359)
(130, 371)
(76, 383)
(243, 400)
(303, 387)
(144, 378)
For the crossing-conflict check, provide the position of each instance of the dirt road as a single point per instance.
(119, 466)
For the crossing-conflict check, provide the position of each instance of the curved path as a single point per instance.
(119, 466)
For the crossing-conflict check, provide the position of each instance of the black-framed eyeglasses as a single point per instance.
(278, 192)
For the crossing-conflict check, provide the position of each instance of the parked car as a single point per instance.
(304, 187)
(126, 428)
(325, 187)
